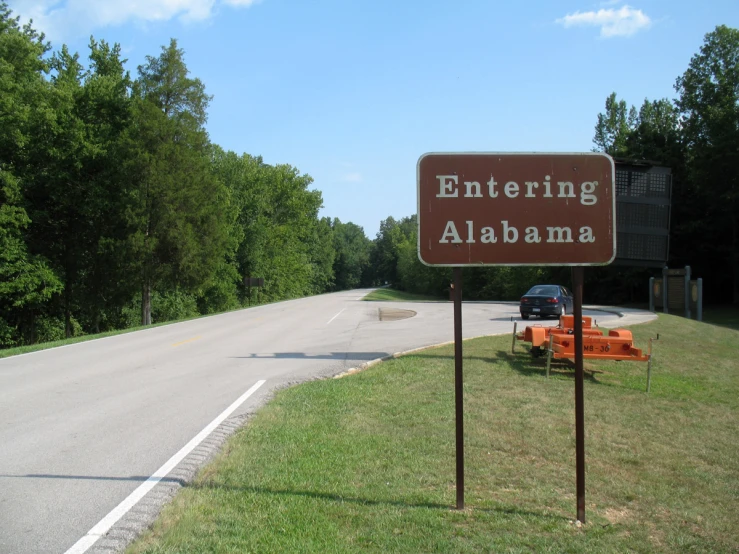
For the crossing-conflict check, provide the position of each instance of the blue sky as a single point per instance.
(352, 92)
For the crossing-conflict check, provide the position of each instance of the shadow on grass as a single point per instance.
(722, 316)
(368, 356)
(524, 363)
(368, 502)
(527, 364)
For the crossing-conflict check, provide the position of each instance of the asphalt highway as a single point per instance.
(82, 427)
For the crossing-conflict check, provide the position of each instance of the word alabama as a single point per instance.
(510, 234)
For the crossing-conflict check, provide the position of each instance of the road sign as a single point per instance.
(516, 209)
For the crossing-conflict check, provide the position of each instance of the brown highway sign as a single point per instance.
(487, 208)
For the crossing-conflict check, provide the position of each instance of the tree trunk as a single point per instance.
(67, 311)
(146, 303)
(734, 257)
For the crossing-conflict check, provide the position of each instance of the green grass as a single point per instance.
(366, 463)
(392, 295)
(7, 352)
(726, 316)
(380, 294)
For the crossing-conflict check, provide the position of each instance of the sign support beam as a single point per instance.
(577, 286)
(458, 385)
(517, 209)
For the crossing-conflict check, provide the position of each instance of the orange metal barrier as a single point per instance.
(617, 345)
(559, 343)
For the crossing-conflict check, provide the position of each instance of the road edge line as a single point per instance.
(105, 524)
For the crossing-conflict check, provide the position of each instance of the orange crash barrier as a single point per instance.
(617, 345)
(559, 343)
(539, 336)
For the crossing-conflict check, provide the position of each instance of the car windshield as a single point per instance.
(543, 290)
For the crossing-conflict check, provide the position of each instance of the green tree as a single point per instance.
(651, 134)
(104, 105)
(415, 276)
(177, 237)
(386, 251)
(709, 104)
(27, 283)
(59, 189)
(352, 249)
(279, 235)
(614, 127)
(322, 255)
(656, 133)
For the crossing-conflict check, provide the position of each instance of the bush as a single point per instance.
(50, 329)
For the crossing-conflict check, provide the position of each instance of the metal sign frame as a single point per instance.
(516, 209)
(454, 170)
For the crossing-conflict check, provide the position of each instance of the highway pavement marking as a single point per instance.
(337, 315)
(186, 341)
(104, 525)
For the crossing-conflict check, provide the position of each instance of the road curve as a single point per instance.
(83, 426)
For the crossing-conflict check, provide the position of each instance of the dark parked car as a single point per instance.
(550, 300)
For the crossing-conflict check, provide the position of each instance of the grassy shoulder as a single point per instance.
(393, 295)
(15, 351)
(366, 463)
(380, 294)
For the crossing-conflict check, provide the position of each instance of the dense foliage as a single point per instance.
(116, 209)
(696, 135)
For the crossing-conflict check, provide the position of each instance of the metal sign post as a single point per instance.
(577, 285)
(458, 385)
(532, 209)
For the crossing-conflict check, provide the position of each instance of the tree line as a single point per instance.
(117, 210)
(696, 135)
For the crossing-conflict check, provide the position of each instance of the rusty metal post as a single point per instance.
(513, 344)
(577, 285)
(649, 363)
(665, 295)
(686, 296)
(549, 356)
(458, 384)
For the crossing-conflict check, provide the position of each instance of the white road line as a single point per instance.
(337, 315)
(104, 525)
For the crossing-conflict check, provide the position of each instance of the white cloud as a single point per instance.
(238, 3)
(621, 22)
(354, 177)
(60, 19)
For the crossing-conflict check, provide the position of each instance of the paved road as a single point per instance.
(81, 427)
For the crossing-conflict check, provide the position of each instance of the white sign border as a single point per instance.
(480, 264)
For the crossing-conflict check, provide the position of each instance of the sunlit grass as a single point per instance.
(388, 294)
(366, 463)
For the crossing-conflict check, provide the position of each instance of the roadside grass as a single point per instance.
(380, 294)
(727, 316)
(15, 351)
(392, 295)
(366, 463)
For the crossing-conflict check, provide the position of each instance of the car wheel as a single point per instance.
(524, 316)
